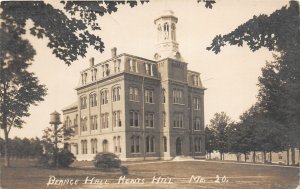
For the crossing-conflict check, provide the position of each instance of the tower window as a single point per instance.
(166, 30)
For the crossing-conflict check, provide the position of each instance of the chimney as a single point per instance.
(92, 62)
(114, 52)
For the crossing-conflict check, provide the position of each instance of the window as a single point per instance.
(93, 99)
(197, 103)
(105, 145)
(76, 124)
(76, 148)
(83, 78)
(197, 143)
(84, 146)
(117, 144)
(149, 96)
(104, 120)
(178, 120)
(116, 94)
(163, 96)
(165, 144)
(149, 69)
(93, 122)
(149, 120)
(197, 124)
(196, 80)
(94, 146)
(133, 65)
(135, 144)
(68, 122)
(83, 124)
(177, 96)
(134, 118)
(133, 94)
(117, 64)
(164, 119)
(149, 144)
(117, 119)
(166, 30)
(104, 97)
(105, 70)
(94, 74)
(83, 102)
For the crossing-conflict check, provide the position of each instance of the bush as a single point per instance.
(64, 159)
(47, 160)
(107, 160)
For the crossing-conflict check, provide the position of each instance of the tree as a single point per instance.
(68, 31)
(19, 88)
(219, 125)
(279, 93)
(209, 141)
(238, 140)
(55, 146)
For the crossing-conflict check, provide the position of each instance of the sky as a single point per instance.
(230, 77)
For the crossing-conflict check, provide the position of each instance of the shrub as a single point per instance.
(47, 160)
(107, 160)
(65, 158)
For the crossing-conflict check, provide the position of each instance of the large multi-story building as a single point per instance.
(139, 108)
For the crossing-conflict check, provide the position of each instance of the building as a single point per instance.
(139, 108)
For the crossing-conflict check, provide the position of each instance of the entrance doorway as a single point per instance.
(178, 146)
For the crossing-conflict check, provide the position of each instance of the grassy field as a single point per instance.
(24, 174)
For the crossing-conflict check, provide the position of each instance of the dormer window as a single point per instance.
(196, 80)
(117, 64)
(83, 78)
(94, 74)
(105, 70)
(149, 69)
(133, 66)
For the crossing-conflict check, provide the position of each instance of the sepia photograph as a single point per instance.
(150, 94)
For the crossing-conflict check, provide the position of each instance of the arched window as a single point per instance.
(76, 124)
(83, 102)
(166, 30)
(116, 93)
(173, 28)
(117, 144)
(135, 144)
(94, 146)
(150, 144)
(93, 99)
(105, 145)
(104, 96)
(84, 146)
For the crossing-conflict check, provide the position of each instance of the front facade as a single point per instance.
(139, 108)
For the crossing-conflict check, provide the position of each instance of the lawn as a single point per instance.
(167, 174)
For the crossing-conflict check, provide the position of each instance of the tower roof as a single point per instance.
(166, 14)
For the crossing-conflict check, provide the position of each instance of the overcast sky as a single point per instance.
(230, 77)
